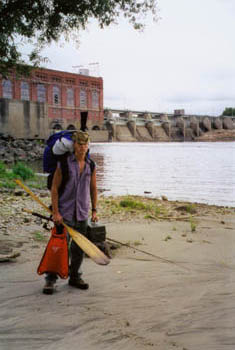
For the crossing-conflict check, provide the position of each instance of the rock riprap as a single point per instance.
(13, 150)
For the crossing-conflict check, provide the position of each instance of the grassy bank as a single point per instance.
(22, 172)
(144, 209)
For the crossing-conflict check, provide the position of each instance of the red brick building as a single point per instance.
(73, 100)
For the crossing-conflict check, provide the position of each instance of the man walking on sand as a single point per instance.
(70, 203)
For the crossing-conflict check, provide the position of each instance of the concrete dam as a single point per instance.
(165, 128)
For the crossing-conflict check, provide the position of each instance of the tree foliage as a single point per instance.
(44, 21)
(229, 111)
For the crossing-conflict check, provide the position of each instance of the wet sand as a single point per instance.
(136, 302)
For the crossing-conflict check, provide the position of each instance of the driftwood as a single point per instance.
(177, 218)
(8, 257)
(171, 218)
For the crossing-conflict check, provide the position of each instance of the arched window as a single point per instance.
(57, 127)
(41, 93)
(24, 89)
(6, 88)
(70, 97)
(56, 95)
(83, 98)
(71, 127)
(95, 99)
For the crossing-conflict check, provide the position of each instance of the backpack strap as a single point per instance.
(92, 164)
(63, 159)
(90, 161)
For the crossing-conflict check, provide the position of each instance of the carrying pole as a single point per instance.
(142, 251)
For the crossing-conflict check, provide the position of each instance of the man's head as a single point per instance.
(81, 140)
(81, 137)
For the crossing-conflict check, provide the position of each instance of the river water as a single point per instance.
(195, 172)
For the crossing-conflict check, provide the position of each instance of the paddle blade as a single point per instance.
(88, 247)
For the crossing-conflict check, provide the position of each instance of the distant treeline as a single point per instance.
(229, 111)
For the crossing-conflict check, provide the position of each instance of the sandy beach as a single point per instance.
(137, 301)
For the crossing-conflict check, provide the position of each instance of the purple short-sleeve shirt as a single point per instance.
(74, 202)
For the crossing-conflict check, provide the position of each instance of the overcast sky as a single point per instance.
(185, 60)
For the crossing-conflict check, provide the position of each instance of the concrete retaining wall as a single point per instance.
(23, 119)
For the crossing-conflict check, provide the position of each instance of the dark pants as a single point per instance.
(76, 254)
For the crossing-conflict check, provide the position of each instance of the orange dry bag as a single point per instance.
(55, 258)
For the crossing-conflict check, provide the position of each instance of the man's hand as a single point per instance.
(94, 217)
(57, 218)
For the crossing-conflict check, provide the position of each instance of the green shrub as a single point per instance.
(22, 171)
(190, 208)
(157, 211)
(192, 225)
(131, 204)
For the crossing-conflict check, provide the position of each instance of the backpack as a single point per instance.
(50, 159)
